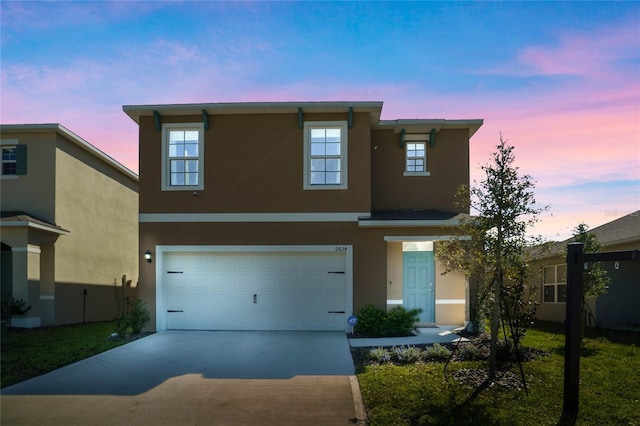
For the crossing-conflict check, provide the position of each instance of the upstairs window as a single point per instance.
(182, 149)
(416, 159)
(554, 284)
(9, 161)
(325, 155)
(14, 159)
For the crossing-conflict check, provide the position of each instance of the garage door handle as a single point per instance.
(336, 272)
(336, 312)
(174, 272)
(175, 311)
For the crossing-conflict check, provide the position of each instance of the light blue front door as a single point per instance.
(418, 272)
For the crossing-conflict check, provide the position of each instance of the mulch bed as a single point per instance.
(476, 349)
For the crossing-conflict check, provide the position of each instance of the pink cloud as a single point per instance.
(594, 55)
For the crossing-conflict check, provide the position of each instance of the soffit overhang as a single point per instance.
(21, 219)
(426, 125)
(135, 112)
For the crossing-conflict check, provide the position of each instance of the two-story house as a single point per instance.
(292, 215)
(68, 226)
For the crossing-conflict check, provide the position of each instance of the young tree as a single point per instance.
(503, 209)
(595, 279)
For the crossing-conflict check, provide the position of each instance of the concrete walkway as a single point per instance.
(440, 334)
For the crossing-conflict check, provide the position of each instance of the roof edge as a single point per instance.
(425, 125)
(79, 141)
(137, 111)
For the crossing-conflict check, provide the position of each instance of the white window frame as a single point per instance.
(344, 148)
(556, 282)
(166, 168)
(8, 143)
(425, 172)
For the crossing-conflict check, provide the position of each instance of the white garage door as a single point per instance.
(255, 291)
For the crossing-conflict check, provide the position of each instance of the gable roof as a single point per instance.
(622, 230)
(69, 135)
(19, 219)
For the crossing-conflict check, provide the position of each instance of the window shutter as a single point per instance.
(21, 159)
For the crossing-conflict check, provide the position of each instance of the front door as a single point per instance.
(418, 272)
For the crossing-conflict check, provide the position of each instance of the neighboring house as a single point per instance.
(68, 228)
(293, 215)
(618, 307)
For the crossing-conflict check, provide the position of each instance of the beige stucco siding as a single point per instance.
(99, 208)
(101, 215)
(34, 192)
(450, 288)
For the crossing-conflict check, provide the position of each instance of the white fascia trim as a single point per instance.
(30, 248)
(416, 174)
(34, 226)
(248, 217)
(427, 238)
(406, 223)
(254, 249)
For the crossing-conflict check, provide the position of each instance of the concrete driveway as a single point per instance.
(198, 377)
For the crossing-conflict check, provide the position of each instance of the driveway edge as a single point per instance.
(361, 413)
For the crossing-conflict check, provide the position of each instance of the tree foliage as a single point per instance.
(503, 208)
(595, 279)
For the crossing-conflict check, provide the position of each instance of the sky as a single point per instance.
(559, 80)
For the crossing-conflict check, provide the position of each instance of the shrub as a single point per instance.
(380, 355)
(376, 322)
(436, 352)
(12, 306)
(133, 321)
(468, 352)
(400, 322)
(405, 354)
(370, 321)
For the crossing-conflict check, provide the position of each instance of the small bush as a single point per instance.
(405, 354)
(370, 321)
(380, 355)
(468, 352)
(376, 322)
(400, 321)
(436, 352)
(133, 321)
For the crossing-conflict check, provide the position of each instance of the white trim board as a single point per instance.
(402, 239)
(248, 217)
(406, 223)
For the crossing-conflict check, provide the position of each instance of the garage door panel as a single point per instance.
(294, 291)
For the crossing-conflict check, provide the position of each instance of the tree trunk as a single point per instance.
(495, 323)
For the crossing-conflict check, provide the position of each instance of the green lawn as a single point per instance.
(420, 394)
(33, 352)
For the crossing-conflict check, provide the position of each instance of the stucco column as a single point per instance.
(26, 270)
(47, 285)
(19, 279)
